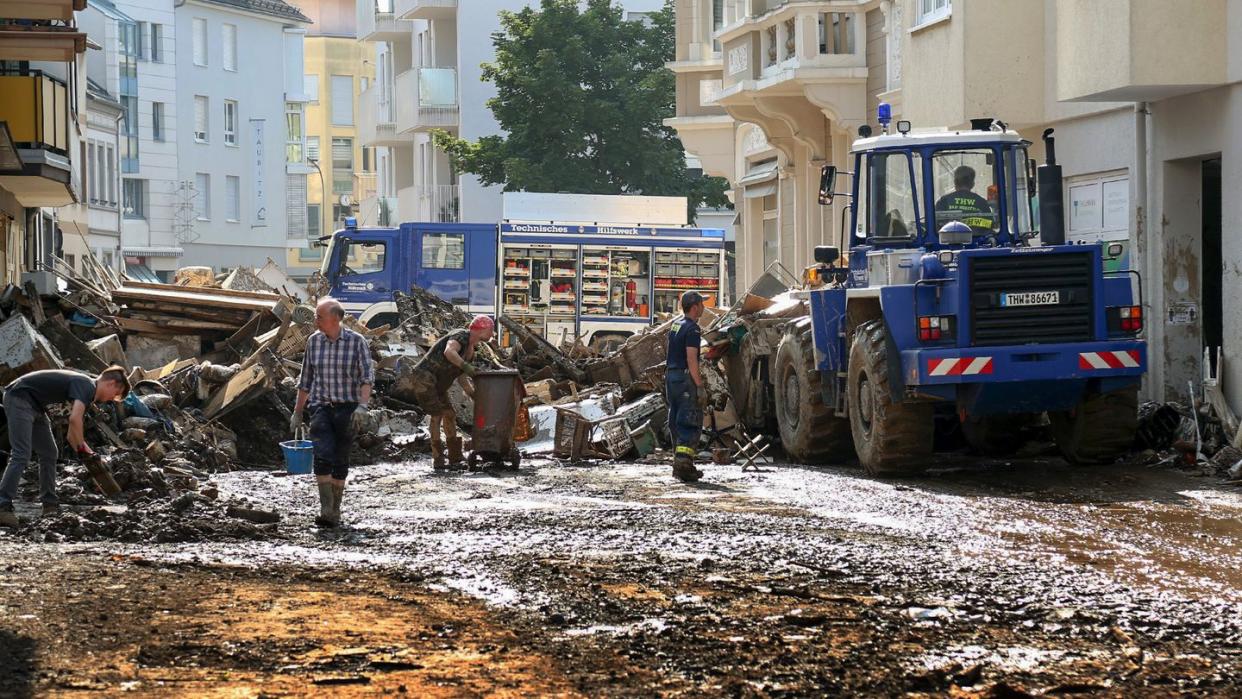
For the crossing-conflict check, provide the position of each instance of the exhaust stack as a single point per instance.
(1051, 202)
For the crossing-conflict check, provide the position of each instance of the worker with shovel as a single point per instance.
(447, 361)
(25, 405)
(687, 396)
(336, 380)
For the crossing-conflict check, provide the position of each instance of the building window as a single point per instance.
(228, 41)
(310, 86)
(314, 221)
(338, 214)
(342, 165)
(129, 38)
(295, 206)
(110, 174)
(232, 198)
(200, 41)
(932, 10)
(370, 256)
(368, 159)
(310, 254)
(342, 89)
(717, 22)
(230, 122)
(200, 118)
(157, 43)
(157, 121)
(312, 148)
(135, 198)
(294, 137)
(143, 37)
(95, 167)
(202, 196)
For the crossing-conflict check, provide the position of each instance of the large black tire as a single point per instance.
(891, 438)
(995, 435)
(1099, 430)
(810, 431)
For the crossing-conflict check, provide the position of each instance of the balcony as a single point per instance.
(41, 9)
(427, 99)
(378, 22)
(426, 9)
(440, 203)
(37, 112)
(376, 126)
(1139, 50)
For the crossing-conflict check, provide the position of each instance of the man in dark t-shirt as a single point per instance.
(25, 404)
(684, 387)
(448, 360)
(963, 204)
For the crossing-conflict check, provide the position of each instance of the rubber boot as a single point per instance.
(437, 451)
(338, 492)
(456, 459)
(8, 518)
(327, 505)
(683, 468)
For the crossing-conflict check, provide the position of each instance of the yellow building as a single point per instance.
(337, 69)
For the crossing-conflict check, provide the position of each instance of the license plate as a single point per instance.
(1031, 298)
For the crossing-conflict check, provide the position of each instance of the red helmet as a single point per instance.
(482, 323)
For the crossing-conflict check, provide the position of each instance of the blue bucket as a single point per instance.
(299, 455)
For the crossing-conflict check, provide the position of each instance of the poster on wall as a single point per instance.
(260, 189)
(1084, 208)
(1098, 211)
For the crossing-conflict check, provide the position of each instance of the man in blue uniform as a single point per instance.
(684, 386)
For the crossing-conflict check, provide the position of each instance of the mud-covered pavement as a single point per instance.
(995, 579)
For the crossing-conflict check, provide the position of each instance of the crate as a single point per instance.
(572, 436)
(666, 270)
(687, 257)
(708, 258)
(707, 271)
(615, 439)
(666, 257)
(687, 270)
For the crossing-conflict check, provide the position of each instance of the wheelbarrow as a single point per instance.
(497, 395)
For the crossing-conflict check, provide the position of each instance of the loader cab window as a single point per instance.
(966, 188)
(893, 196)
(1022, 203)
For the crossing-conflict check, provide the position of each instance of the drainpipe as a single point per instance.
(1152, 242)
(120, 194)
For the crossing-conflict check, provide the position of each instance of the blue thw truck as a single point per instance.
(946, 308)
(598, 282)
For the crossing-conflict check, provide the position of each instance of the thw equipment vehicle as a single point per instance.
(561, 278)
(949, 309)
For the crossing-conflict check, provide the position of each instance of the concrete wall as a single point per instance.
(258, 87)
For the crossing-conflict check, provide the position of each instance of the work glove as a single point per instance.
(295, 422)
(469, 370)
(360, 419)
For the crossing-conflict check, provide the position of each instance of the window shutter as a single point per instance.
(202, 199)
(230, 47)
(232, 196)
(200, 118)
(312, 148)
(200, 42)
(295, 205)
(342, 100)
(310, 86)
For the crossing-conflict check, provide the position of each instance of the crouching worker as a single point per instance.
(447, 361)
(25, 404)
(684, 386)
(336, 381)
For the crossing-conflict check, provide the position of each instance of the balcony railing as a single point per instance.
(442, 202)
(376, 126)
(37, 109)
(427, 99)
(794, 36)
(377, 21)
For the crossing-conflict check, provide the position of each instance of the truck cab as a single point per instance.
(364, 266)
(953, 304)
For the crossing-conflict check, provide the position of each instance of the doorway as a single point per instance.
(1212, 271)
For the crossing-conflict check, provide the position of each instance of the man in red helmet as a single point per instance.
(447, 361)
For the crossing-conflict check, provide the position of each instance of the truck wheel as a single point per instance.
(810, 432)
(1099, 430)
(995, 435)
(892, 438)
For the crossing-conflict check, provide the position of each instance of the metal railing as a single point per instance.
(441, 201)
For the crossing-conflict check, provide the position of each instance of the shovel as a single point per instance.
(101, 474)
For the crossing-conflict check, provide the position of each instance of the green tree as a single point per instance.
(582, 95)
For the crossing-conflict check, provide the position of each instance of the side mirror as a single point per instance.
(827, 181)
(827, 254)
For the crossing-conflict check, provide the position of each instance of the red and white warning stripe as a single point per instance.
(959, 366)
(1127, 359)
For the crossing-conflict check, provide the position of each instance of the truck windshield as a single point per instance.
(964, 182)
(328, 253)
(893, 196)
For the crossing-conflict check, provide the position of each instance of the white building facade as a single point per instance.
(94, 229)
(241, 162)
(429, 56)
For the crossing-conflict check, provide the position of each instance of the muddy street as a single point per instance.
(989, 577)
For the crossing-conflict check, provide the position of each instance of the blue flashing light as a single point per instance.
(351, 222)
(884, 113)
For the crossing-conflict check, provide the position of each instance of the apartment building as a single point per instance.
(92, 227)
(241, 149)
(428, 57)
(42, 119)
(337, 70)
(136, 64)
(1142, 94)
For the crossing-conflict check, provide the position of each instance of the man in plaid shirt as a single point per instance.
(336, 380)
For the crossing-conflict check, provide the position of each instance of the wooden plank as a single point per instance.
(235, 389)
(192, 292)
